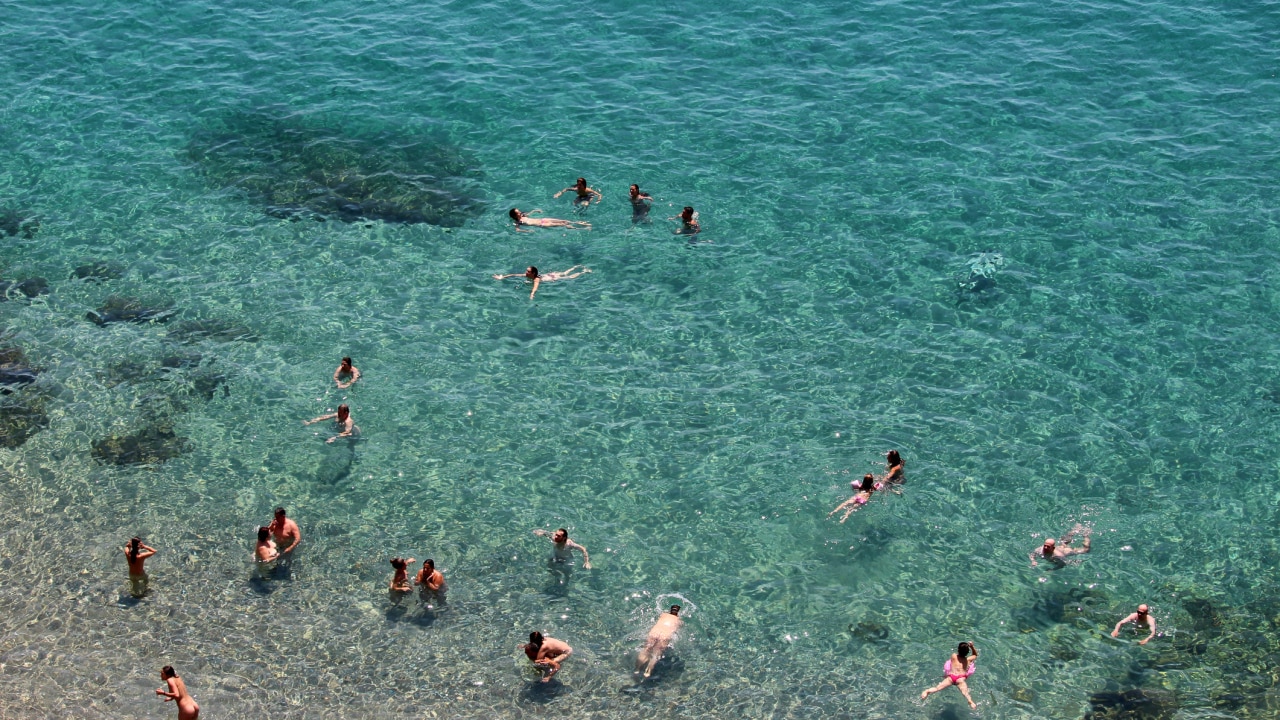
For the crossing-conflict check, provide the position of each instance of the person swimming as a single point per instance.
(346, 372)
(345, 425)
(136, 553)
(659, 639)
(958, 669)
(640, 204)
(582, 193)
(862, 493)
(563, 547)
(1056, 554)
(688, 222)
(531, 273)
(521, 219)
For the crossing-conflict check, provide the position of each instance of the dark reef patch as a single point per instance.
(16, 222)
(147, 446)
(31, 287)
(189, 331)
(126, 309)
(302, 169)
(98, 271)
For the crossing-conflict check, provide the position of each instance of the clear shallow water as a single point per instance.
(690, 412)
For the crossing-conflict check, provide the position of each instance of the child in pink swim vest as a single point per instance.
(861, 494)
(958, 669)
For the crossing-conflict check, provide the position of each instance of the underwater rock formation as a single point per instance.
(147, 446)
(1132, 704)
(31, 287)
(14, 221)
(20, 418)
(189, 331)
(125, 309)
(300, 169)
(97, 271)
(15, 372)
(1050, 606)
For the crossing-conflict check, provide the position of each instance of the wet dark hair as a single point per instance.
(135, 548)
(893, 457)
(514, 214)
(634, 187)
(279, 510)
(346, 361)
(561, 530)
(343, 408)
(398, 563)
(675, 610)
(167, 672)
(532, 269)
(688, 208)
(535, 638)
(868, 482)
(964, 650)
(582, 181)
(429, 563)
(264, 532)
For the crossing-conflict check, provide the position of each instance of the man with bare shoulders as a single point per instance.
(430, 581)
(547, 653)
(136, 553)
(659, 639)
(1141, 617)
(582, 193)
(346, 375)
(1057, 554)
(343, 423)
(563, 546)
(286, 534)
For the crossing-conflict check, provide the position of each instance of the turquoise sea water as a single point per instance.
(691, 411)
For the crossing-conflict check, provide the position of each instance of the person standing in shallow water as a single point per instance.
(346, 375)
(136, 553)
(176, 690)
(563, 546)
(346, 427)
(265, 552)
(287, 534)
(640, 204)
(430, 581)
(582, 193)
(1141, 617)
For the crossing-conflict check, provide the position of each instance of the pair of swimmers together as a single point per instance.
(862, 490)
(276, 541)
(547, 653)
(428, 579)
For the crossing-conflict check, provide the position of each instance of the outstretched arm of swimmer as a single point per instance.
(536, 282)
(330, 416)
(586, 561)
(1115, 632)
(1032, 554)
(571, 187)
(347, 432)
(596, 192)
(504, 277)
(355, 375)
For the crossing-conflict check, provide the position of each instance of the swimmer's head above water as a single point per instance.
(279, 512)
(675, 610)
(399, 563)
(264, 532)
(167, 672)
(687, 214)
(893, 458)
(1049, 545)
(135, 547)
(868, 483)
(560, 536)
(531, 273)
(344, 412)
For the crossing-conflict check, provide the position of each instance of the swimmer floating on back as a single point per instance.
(522, 219)
(861, 494)
(532, 274)
(583, 194)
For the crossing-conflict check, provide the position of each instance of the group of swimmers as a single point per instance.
(278, 540)
(583, 195)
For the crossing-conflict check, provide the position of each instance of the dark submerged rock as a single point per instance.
(124, 309)
(1059, 606)
(1132, 704)
(189, 331)
(304, 170)
(15, 222)
(20, 418)
(14, 376)
(147, 446)
(31, 287)
(97, 271)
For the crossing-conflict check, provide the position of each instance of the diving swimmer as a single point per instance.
(564, 546)
(583, 194)
(522, 219)
(958, 669)
(659, 639)
(547, 653)
(532, 274)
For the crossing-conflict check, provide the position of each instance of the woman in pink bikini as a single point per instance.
(861, 494)
(958, 669)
